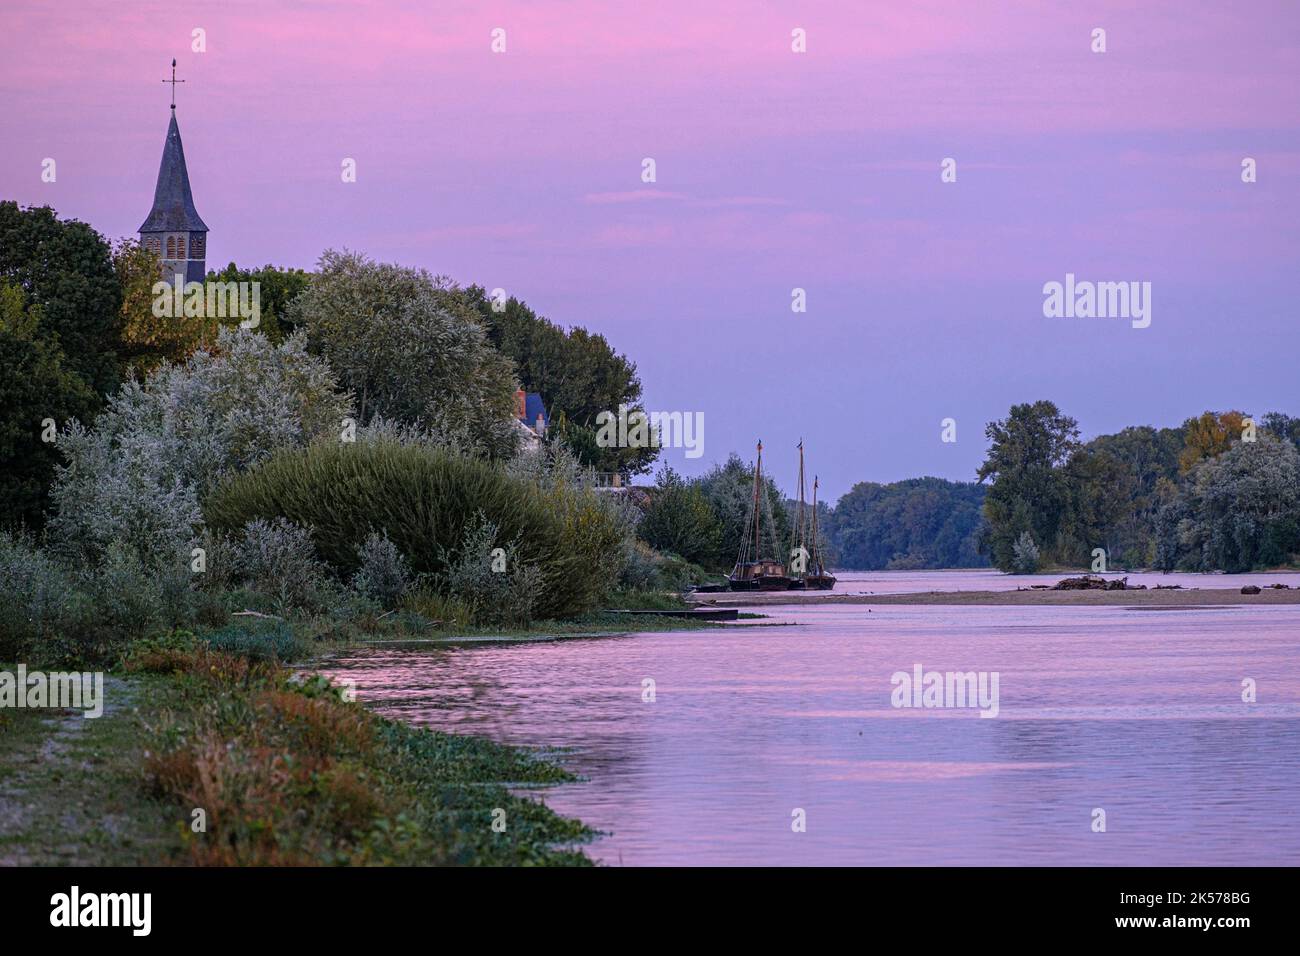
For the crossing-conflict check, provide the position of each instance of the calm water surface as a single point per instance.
(1138, 712)
(987, 579)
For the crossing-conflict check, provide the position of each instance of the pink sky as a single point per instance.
(775, 170)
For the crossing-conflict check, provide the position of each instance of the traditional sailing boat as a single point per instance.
(809, 572)
(818, 578)
(753, 571)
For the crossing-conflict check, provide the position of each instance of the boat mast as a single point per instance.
(798, 533)
(758, 518)
(817, 563)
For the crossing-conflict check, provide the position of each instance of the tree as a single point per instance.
(679, 520)
(65, 268)
(1113, 493)
(410, 349)
(38, 395)
(1094, 505)
(1028, 491)
(137, 477)
(1024, 554)
(1209, 435)
(1236, 512)
(1282, 426)
(277, 288)
(147, 339)
(577, 373)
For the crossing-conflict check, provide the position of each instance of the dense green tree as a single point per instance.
(1115, 486)
(577, 373)
(678, 520)
(1237, 511)
(1196, 497)
(65, 268)
(1028, 490)
(277, 288)
(917, 523)
(409, 349)
(1092, 508)
(1283, 426)
(37, 391)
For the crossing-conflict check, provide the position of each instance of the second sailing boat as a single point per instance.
(757, 567)
(809, 573)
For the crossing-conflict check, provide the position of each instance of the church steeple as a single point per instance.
(173, 228)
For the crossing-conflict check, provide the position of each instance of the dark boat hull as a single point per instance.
(759, 576)
(819, 582)
(764, 583)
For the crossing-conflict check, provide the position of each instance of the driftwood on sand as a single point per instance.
(1088, 582)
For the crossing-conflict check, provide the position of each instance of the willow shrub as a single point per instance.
(422, 499)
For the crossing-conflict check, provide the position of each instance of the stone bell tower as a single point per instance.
(173, 229)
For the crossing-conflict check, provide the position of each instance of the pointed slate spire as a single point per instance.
(173, 204)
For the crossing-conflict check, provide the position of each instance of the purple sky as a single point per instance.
(775, 170)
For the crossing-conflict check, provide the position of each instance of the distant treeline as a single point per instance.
(1221, 492)
(907, 525)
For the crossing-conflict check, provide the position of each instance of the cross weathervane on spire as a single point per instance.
(173, 81)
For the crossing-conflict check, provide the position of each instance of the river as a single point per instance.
(1136, 713)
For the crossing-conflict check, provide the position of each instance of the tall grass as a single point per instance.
(422, 499)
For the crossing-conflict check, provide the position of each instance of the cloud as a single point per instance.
(486, 230)
(724, 202)
(635, 234)
(631, 196)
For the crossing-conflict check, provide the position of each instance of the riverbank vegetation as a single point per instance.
(212, 752)
(355, 462)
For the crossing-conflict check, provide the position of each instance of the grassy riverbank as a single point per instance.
(311, 644)
(285, 771)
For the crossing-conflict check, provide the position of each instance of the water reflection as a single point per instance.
(1136, 713)
(987, 579)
